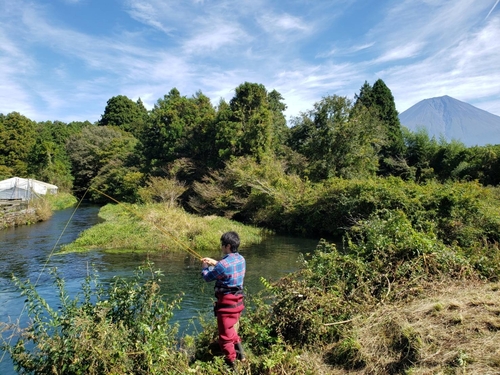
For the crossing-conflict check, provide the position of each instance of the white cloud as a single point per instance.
(213, 38)
(401, 52)
(421, 49)
(273, 23)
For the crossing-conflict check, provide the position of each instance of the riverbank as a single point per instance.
(25, 212)
(413, 290)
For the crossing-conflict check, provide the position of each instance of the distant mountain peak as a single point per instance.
(454, 120)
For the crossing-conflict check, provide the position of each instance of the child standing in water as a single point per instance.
(228, 274)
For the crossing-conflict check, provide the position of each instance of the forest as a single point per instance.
(418, 218)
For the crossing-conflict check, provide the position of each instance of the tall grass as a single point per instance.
(157, 227)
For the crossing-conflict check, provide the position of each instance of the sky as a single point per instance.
(64, 59)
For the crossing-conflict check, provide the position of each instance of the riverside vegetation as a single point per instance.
(40, 209)
(414, 288)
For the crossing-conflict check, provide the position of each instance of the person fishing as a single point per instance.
(228, 274)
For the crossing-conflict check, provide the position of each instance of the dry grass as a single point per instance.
(454, 328)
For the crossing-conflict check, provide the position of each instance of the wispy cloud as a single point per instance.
(401, 52)
(274, 23)
(213, 37)
(462, 70)
(56, 69)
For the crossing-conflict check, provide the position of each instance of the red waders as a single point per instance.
(228, 309)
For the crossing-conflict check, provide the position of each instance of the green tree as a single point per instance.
(179, 127)
(251, 122)
(420, 153)
(197, 143)
(379, 98)
(484, 164)
(104, 158)
(281, 131)
(126, 114)
(337, 141)
(17, 137)
(450, 161)
(226, 133)
(48, 160)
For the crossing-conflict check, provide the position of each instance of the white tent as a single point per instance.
(24, 188)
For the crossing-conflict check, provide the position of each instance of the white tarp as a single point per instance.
(23, 188)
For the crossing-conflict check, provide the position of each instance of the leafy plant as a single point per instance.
(121, 329)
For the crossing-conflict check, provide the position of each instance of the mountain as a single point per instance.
(453, 119)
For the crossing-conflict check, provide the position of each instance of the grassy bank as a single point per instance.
(60, 201)
(156, 227)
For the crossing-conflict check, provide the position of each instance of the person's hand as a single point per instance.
(208, 262)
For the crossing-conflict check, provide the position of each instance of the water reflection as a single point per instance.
(27, 254)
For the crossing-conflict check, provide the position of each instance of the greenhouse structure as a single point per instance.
(17, 188)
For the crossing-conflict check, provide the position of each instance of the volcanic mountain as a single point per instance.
(454, 120)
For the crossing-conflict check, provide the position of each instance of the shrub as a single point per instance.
(121, 329)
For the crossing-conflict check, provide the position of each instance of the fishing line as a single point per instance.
(183, 246)
(45, 266)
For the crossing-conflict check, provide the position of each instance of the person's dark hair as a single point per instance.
(231, 238)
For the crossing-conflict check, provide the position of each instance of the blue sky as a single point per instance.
(64, 59)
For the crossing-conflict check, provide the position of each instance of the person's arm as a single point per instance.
(211, 273)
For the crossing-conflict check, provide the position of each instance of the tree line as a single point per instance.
(190, 140)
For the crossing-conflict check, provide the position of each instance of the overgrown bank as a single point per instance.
(14, 213)
(158, 227)
(413, 290)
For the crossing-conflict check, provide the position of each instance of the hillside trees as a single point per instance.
(48, 159)
(246, 126)
(420, 154)
(280, 128)
(179, 127)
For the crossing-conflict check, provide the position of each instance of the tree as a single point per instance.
(253, 119)
(379, 99)
(384, 102)
(103, 157)
(179, 127)
(420, 153)
(226, 133)
(48, 159)
(336, 141)
(17, 137)
(281, 131)
(126, 114)
(450, 160)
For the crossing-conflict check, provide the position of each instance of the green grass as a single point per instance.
(60, 201)
(155, 227)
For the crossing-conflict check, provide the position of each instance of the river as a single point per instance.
(29, 252)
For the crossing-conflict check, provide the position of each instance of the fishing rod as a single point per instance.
(183, 246)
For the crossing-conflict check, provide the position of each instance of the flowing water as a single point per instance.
(28, 252)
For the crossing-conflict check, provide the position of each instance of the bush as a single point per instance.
(121, 329)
